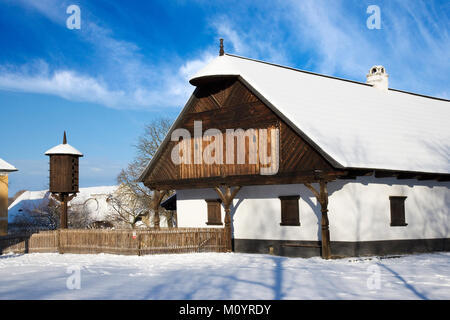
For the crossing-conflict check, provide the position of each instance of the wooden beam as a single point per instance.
(411, 175)
(407, 175)
(214, 100)
(428, 177)
(211, 182)
(385, 174)
(353, 174)
(227, 199)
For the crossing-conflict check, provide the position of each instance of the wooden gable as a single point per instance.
(229, 104)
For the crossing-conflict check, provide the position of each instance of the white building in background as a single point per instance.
(92, 199)
(94, 202)
(383, 154)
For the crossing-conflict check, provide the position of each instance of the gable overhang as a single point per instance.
(214, 78)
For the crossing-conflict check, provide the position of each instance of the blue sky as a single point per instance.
(131, 60)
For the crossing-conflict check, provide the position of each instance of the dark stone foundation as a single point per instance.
(307, 249)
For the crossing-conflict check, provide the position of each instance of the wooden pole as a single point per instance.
(156, 221)
(157, 198)
(322, 198)
(64, 199)
(326, 246)
(63, 214)
(227, 200)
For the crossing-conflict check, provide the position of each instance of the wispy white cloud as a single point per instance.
(335, 37)
(122, 79)
(68, 84)
(250, 40)
(413, 42)
(51, 9)
(126, 80)
(413, 46)
(63, 83)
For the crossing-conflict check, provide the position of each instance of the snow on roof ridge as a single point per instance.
(331, 77)
(27, 194)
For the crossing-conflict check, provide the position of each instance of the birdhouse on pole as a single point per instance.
(64, 175)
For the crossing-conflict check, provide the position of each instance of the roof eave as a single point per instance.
(8, 170)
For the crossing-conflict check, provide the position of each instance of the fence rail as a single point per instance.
(126, 242)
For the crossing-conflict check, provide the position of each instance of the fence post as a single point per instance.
(138, 238)
(198, 240)
(58, 235)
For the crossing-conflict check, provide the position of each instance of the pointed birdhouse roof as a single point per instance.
(64, 148)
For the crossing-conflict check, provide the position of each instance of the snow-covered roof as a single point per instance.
(64, 149)
(353, 123)
(6, 167)
(27, 200)
(92, 199)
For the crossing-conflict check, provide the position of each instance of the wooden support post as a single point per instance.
(227, 200)
(64, 199)
(60, 249)
(63, 218)
(322, 198)
(158, 195)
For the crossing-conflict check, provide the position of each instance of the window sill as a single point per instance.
(289, 224)
(399, 225)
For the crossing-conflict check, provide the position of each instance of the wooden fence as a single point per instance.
(127, 242)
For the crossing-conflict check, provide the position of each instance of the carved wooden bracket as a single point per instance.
(227, 199)
(64, 199)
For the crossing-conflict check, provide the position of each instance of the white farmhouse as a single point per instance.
(322, 165)
(92, 201)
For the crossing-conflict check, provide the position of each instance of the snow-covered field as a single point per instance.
(222, 276)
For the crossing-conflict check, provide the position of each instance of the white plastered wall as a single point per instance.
(359, 210)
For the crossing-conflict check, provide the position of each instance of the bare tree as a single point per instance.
(79, 217)
(146, 148)
(126, 209)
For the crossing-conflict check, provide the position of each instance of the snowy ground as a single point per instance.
(223, 276)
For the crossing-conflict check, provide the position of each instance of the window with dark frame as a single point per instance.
(290, 215)
(214, 212)
(398, 211)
